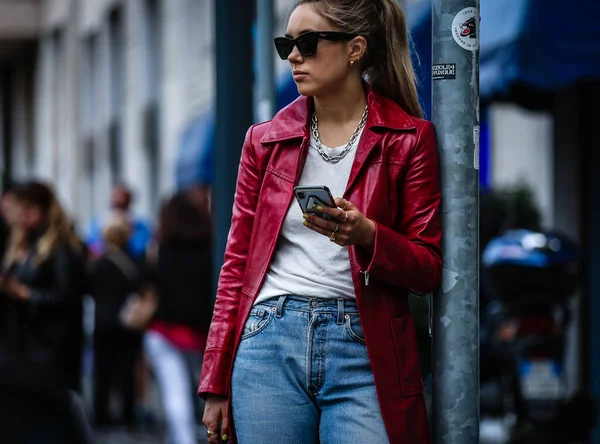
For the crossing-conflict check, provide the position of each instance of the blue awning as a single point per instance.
(544, 44)
(419, 22)
(539, 44)
(195, 158)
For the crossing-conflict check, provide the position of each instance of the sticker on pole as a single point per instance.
(464, 29)
(446, 71)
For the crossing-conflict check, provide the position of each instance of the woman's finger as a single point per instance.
(224, 430)
(340, 202)
(312, 226)
(335, 213)
(344, 213)
(213, 437)
(211, 422)
(323, 223)
(341, 237)
(344, 204)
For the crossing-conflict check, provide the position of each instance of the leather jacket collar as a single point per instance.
(293, 121)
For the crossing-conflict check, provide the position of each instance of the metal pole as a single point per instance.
(455, 111)
(266, 65)
(233, 19)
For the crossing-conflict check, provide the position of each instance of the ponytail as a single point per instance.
(391, 71)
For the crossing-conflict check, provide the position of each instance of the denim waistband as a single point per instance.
(340, 307)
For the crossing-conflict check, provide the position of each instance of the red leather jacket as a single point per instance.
(395, 182)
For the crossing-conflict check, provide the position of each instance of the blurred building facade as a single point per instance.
(97, 92)
(19, 33)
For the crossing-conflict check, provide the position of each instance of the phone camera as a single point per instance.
(300, 194)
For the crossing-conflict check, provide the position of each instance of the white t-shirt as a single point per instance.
(307, 263)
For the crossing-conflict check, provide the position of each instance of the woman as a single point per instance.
(114, 278)
(182, 270)
(312, 339)
(43, 282)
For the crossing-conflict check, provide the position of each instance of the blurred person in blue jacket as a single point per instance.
(120, 203)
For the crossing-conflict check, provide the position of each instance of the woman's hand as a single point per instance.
(349, 227)
(215, 411)
(14, 289)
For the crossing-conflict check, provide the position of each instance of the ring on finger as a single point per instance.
(332, 237)
(346, 217)
(210, 433)
(337, 227)
(345, 204)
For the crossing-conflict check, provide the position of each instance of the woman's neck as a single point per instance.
(344, 105)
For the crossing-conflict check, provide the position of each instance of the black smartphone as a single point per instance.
(310, 197)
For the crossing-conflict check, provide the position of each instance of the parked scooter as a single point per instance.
(530, 275)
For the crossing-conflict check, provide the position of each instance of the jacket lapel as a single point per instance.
(366, 144)
(292, 123)
(383, 114)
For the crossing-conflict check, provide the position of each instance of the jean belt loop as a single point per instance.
(280, 303)
(340, 315)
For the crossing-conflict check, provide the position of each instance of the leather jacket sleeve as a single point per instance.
(410, 256)
(219, 348)
(62, 263)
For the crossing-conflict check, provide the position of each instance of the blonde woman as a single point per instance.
(114, 278)
(312, 339)
(42, 285)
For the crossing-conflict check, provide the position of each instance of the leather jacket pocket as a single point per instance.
(407, 354)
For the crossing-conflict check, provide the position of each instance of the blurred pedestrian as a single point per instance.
(121, 201)
(7, 216)
(115, 279)
(312, 339)
(200, 195)
(7, 224)
(120, 204)
(182, 267)
(41, 339)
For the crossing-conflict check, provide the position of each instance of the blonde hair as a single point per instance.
(117, 231)
(59, 225)
(387, 65)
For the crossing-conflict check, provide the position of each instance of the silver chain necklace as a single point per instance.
(319, 146)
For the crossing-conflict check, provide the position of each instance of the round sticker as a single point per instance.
(464, 29)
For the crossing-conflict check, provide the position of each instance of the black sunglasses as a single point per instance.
(307, 42)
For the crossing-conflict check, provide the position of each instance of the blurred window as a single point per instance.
(199, 41)
(89, 101)
(117, 75)
(152, 33)
(58, 95)
(152, 50)
(88, 85)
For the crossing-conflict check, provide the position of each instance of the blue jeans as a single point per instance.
(302, 375)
